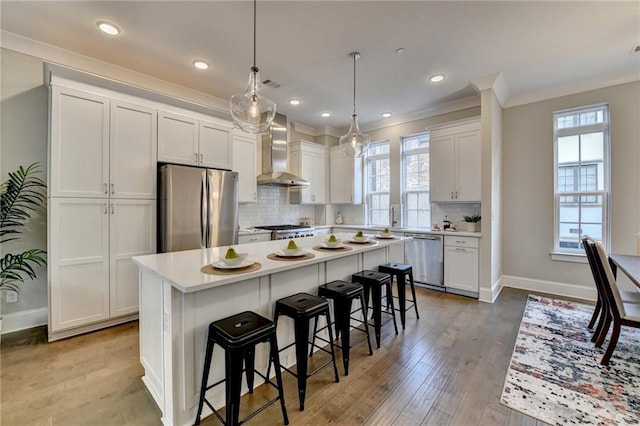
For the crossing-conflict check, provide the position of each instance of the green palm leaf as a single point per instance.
(21, 194)
(14, 268)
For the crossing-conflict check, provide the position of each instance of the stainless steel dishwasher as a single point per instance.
(425, 253)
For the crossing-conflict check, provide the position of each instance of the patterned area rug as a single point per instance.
(555, 373)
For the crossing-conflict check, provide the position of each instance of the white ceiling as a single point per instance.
(541, 48)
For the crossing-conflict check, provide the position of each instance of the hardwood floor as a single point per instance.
(447, 368)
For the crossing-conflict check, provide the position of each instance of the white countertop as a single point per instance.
(182, 268)
(407, 230)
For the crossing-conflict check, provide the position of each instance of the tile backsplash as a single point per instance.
(273, 208)
(454, 211)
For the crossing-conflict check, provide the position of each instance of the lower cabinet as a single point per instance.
(92, 280)
(461, 264)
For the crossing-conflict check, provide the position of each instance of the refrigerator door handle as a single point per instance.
(204, 211)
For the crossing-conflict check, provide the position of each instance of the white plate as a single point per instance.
(385, 237)
(282, 253)
(325, 245)
(367, 241)
(243, 264)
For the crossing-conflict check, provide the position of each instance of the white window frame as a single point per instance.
(369, 193)
(578, 254)
(406, 153)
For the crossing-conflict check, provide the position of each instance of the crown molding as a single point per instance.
(494, 82)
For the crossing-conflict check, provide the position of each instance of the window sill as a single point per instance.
(568, 257)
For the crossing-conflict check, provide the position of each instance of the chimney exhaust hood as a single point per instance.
(274, 157)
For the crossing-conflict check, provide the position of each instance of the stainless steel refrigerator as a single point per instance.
(197, 208)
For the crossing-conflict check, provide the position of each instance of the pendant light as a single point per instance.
(251, 111)
(354, 143)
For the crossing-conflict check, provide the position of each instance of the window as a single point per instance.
(581, 153)
(415, 181)
(378, 183)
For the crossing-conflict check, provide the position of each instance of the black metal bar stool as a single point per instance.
(343, 294)
(373, 282)
(400, 271)
(302, 308)
(238, 335)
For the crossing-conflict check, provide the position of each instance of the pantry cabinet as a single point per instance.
(454, 159)
(345, 178)
(309, 161)
(101, 205)
(191, 140)
(245, 163)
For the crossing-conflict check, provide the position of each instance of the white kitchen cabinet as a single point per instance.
(184, 139)
(254, 238)
(100, 147)
(461, 264)
(245, 163)
(309, 161)
(454, 151)
(345, 178)
(92, 279)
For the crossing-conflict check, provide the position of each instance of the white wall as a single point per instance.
(23, 140)
(528, 183)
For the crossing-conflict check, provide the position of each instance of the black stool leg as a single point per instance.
(366, 323)
(275, 357)
(205, 377)
(327, 314)
(249, 366)
(275, 322)
(302, 338)
(393, 310)
(402, 292)
(376, 302)
(344, 308)
(233, 367)
(413, 293)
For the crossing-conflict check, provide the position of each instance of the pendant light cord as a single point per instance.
(354, 82)
(254, 33)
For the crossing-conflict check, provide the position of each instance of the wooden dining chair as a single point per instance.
(621, 313)
(601, 311)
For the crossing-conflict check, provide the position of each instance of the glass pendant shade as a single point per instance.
(354, 143)
(252, 111)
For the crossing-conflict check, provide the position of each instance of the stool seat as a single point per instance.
(401, 271)
(343, 293)
(302, 308)
(238, 336)
(373, 282)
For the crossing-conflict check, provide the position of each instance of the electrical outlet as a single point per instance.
(12, 297)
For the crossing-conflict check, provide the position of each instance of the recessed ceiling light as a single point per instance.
(201, 65)
(294, 102)
(326, 114)
(437, 78)
(108, 28)
(386, 114)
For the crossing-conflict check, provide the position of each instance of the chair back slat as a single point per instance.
(588, 244)
(609, 281)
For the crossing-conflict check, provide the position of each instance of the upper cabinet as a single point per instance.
(100, 147)
(184, 139)
(454, 151)
(345, 178)
(245, 163)
(309, 161)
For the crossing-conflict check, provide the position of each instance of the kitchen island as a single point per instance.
(178, 301)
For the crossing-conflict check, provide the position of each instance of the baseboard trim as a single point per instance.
(23, 320)
(551, 287)
(490, 295)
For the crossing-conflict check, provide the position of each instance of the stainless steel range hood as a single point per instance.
(274, 157)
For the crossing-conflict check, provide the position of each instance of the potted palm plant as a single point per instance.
(473, 222)
(20, 195)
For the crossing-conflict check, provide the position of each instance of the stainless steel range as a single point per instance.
(282, 232)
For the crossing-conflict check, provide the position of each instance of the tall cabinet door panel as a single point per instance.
(177, 138)
(132, 233)
(78, 262)
(442, 171)
(79, 145)
(215, 146)
(468, 166)
(133, 151)
(245, 163)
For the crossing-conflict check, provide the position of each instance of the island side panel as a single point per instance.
(151, 334)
